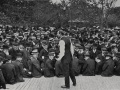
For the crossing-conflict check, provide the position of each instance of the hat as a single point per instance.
(78, 46)
(51, 52)
(19, 55)
(108, 54)
(104, 49)
(35, 50)
(15, 43)
(44, 42)
(87, 46)
(87, 54)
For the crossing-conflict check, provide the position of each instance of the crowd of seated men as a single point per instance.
(26, 54)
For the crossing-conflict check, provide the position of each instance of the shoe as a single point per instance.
(65, 87)
(74, 84)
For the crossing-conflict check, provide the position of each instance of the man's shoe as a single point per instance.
(74, 84)
(65, 87)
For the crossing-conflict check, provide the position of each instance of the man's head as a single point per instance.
(35, 52)
(19, 56)
(51, 54)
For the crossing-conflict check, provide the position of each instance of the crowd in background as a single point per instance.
(27, 52)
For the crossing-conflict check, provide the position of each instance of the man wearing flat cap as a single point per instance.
(89, 66)
(34, 64)
(108, 66)
(2, 79)
(43, 55)
(66, 57)
(18, 67)
(49, 70)
(116, 59)
(8, 70)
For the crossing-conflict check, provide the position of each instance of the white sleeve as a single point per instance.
(72, 49)
(62, 49)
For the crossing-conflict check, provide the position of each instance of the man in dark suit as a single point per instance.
(43, 55)
(108, 66)
(116, 59)
(100, 59)
(94, 52)
(50, 64)
(89, 66)
(66, 57)
(9, 72)
(18, 68)
(34, 64)
(2, 80)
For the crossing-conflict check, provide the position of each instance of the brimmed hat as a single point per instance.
(44, 42)
(104, 49)
(87, 54)
(51, 52)
(19, 55)
(35, 50)
(108, 54)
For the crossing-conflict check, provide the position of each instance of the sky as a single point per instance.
(117, 3)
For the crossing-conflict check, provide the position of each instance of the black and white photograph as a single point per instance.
(59, 44)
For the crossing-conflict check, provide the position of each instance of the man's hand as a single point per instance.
(58, 59)
(29, 72)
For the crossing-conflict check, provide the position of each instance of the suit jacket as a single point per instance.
(89, 68)
(19, 70)
(117, 67)
(25, 59)
(49, 68)
(99, 65)
(35, 67)
(93, 55)
(2, 80)
(9, 73)
(43, 53)
(77, 65)
(108, 68)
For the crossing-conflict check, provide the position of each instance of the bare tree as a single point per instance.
(105, 6)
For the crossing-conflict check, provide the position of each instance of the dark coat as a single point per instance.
(99, 65)
(19, 70)
(25, 59)
(93, 55)
(35, 67)
(13, 53)
(117, 67)
(49, 68)
(43, 53)
(58, 68)
(108, 68)
(89, 68)
(2, 80)
(77, 65)
(9, 73)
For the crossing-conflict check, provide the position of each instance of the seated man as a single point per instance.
(117, 64)
(9, 72)
(34, 64)
(2, 80)
(58, 69)
(18, 68)
(89, 66)
(49, 70)
(108, 67)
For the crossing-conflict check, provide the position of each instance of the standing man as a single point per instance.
(65, 55)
